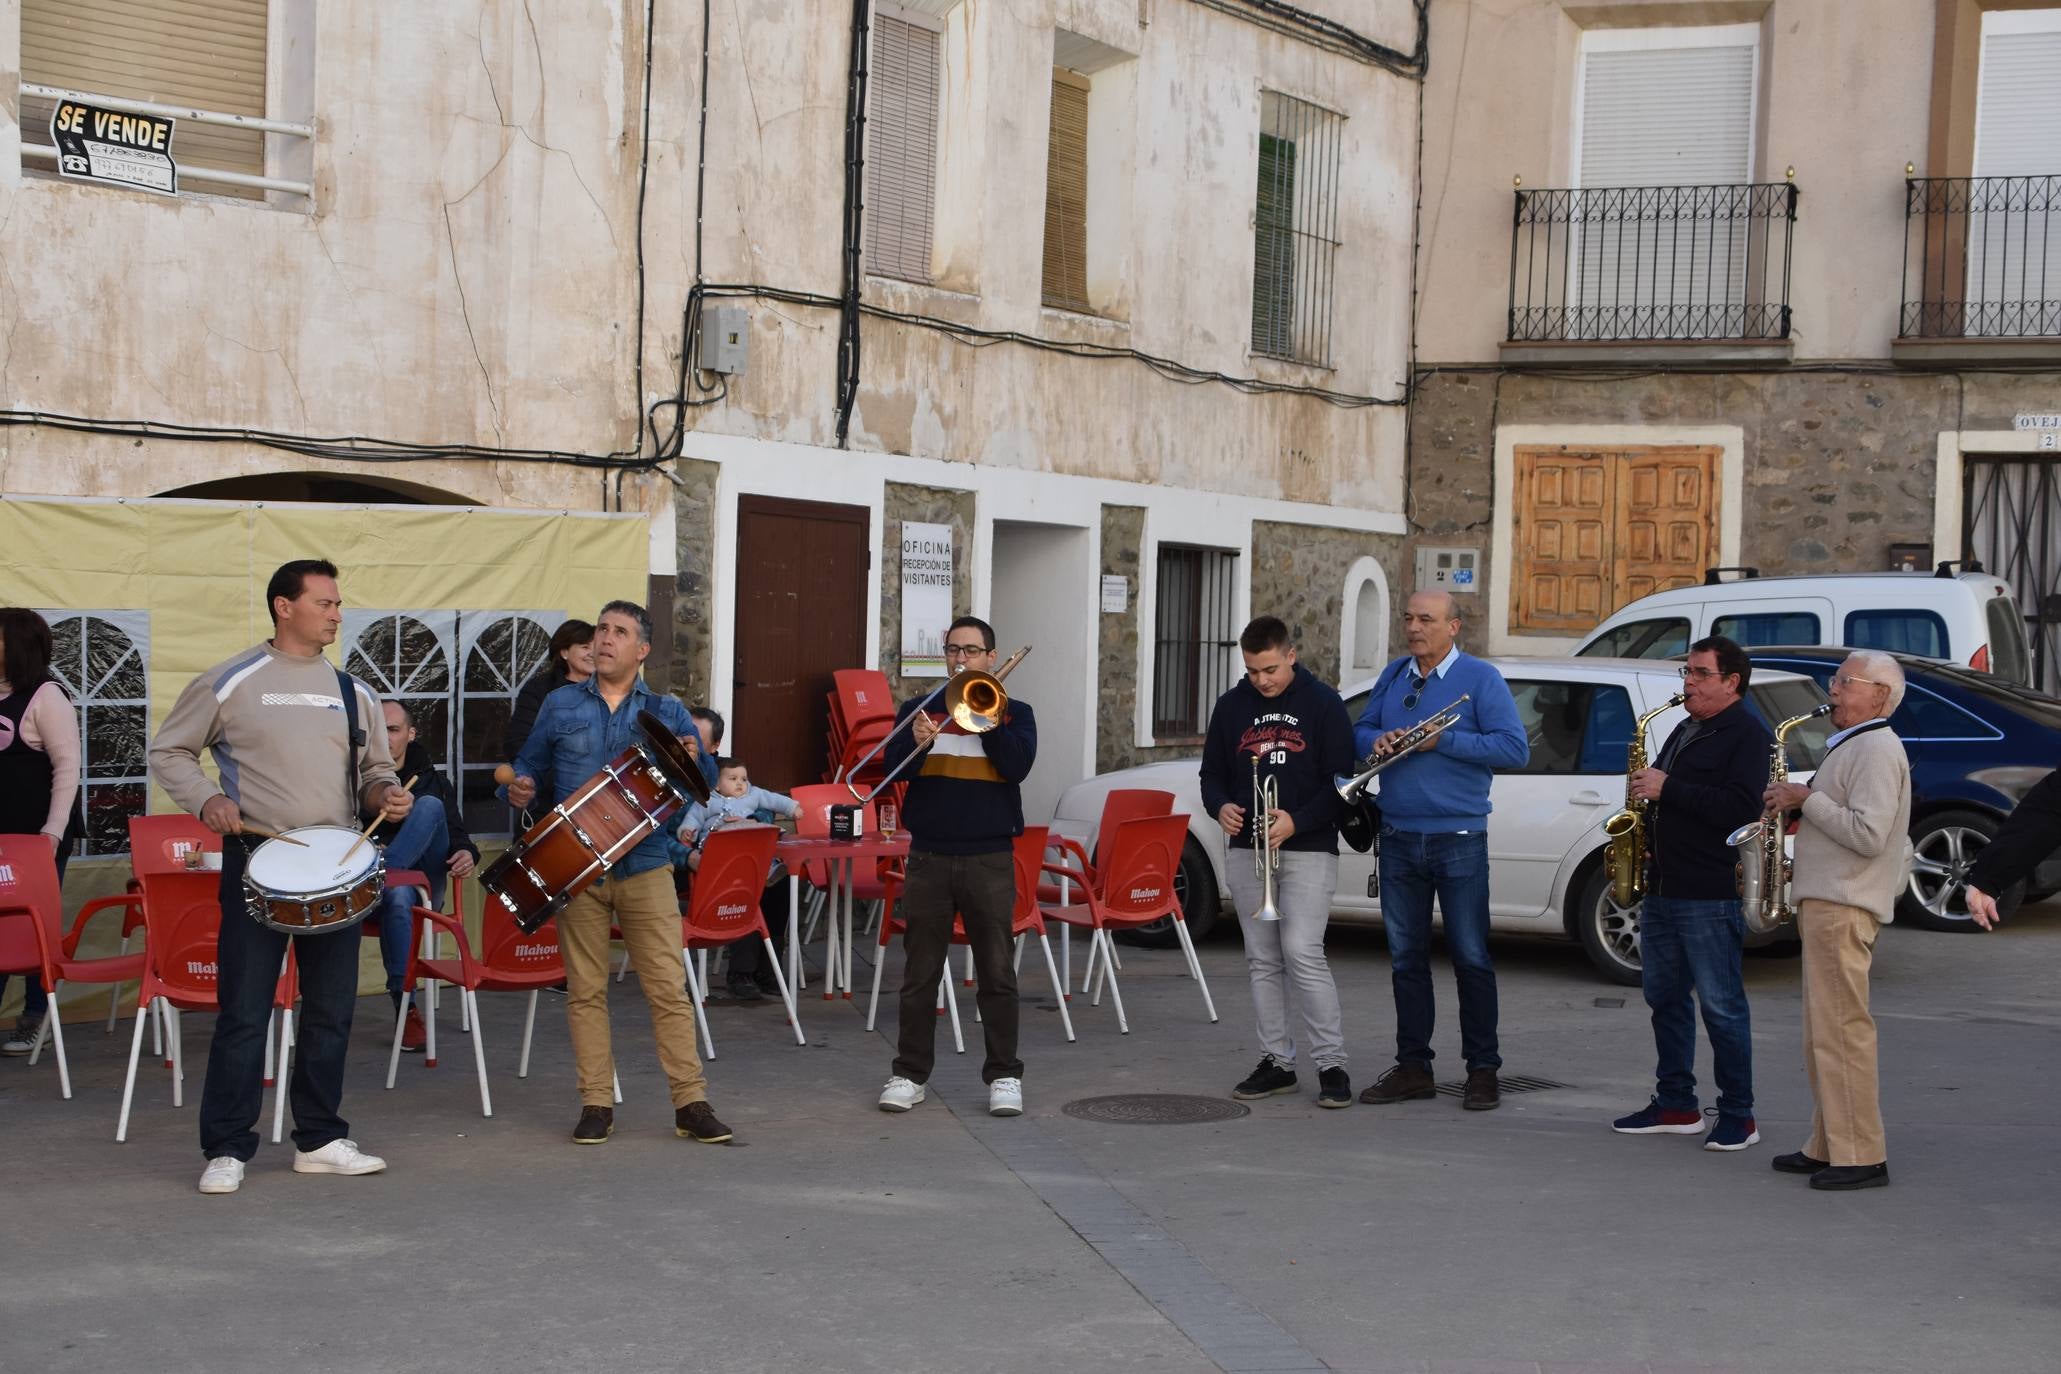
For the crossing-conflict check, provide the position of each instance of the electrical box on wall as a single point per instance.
(1447, 569)
(725, 340)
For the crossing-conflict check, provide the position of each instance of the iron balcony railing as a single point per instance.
(1982, 258)
(1652, 263)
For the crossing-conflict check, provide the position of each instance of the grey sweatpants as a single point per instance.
(1291, 951)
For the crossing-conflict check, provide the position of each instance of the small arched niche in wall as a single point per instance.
(1363, 638)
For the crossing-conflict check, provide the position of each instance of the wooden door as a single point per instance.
(802, 568)
(1597, 528)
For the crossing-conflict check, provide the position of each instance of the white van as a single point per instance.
(1965, 617)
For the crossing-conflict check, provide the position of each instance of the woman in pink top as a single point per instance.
(39, 770)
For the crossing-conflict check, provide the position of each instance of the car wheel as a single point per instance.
(1196, 886)
(1945, 844)
(1609, 932)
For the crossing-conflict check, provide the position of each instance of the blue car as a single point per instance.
(1977, 744)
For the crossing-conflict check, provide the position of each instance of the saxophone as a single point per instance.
(1625, 858)
(1764, 867)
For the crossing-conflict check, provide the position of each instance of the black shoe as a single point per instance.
(1403, 1083)
(1845, 1178)
(1334, 1089)
(597, 1124)
(767, 985)
(1798, 1163)
(1269, 1078)
(1483, 1093)
(744, 988)
(697, 1121)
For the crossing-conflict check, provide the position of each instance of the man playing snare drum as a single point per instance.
(275, 719)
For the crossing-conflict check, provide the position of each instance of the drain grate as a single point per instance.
(1155, 1109)
(1510, 1083)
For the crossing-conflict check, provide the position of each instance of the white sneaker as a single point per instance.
(900, 1094)
(224, 1174)
(1005, 1097)
(337, 1157)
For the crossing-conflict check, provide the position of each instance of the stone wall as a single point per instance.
(1299, 573)
(1838, 466)
(694, 510)
(925, 506)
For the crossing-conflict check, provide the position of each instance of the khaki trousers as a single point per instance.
(1839, 1033)
(647, 911)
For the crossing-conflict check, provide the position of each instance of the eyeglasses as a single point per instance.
(1842, 680)
(1416, 690)
(964, 650)
(1697, 674)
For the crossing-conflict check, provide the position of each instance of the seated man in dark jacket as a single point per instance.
(432, 840)
(1706, 783)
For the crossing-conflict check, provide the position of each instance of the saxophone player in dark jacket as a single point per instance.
(1706, 782)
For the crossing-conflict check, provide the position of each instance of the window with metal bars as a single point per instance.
(1195, 646)
(901, 144)
(1295, 229)
(1066, 194)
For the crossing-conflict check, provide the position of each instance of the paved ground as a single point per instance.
(834, 1237)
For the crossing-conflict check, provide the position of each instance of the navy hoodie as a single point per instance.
(1303, 738)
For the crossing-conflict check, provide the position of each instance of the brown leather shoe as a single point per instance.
(1483, 1093)
(597, 1124)
(697, 1121)
(1403, 1083)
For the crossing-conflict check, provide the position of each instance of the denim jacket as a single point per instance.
(575, 734)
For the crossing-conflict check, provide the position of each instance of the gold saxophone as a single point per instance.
(1764, 867)
(1625, 858)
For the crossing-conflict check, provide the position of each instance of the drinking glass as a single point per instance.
(886, 814)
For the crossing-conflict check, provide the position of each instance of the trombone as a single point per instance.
(974, 701)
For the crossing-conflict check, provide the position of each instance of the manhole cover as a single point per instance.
(1509, 1082)
(1155, 1109)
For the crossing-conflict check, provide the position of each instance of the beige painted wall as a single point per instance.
(1844, 99)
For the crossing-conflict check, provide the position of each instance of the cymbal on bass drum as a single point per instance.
(672, 757)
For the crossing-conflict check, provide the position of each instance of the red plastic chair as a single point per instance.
(509, 960)
(33, 938)
(182, 918)
(1134, 887)
(1120, 805)
(725, 909)
(157, 844)
(1024, 921)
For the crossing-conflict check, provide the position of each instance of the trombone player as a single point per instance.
(1434, 840)
(1706, 783)
(1279, 736)
(963, 813)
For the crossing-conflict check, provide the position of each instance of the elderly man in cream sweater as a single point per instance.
(1850, 862)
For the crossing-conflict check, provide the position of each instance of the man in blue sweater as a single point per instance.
(1434, 841)
(963, 812)
(1297, 729)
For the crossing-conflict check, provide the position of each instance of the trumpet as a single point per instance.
(1351, 789)
(1266, 860)
(1764, 868)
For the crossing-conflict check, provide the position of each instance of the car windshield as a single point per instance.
(1775, 702)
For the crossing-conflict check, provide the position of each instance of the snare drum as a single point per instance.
(310, 888)
(584, 836)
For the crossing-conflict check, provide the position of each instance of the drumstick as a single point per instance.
(265, 834)
(377, 821)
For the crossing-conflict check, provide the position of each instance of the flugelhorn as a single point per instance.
(974, 701)
(1266, 860)
(1349, 789)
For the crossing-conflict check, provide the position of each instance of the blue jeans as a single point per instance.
(423, 843)
(1414, 868)
(247, 968)
(1690, 947)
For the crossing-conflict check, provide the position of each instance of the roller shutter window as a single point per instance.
(1662, 116)
(206, 54)
(1066, 195)
(901, 149)
(2014, 252)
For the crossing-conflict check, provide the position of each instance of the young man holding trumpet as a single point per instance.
(1276, 742)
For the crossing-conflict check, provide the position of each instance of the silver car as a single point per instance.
(1546, 837)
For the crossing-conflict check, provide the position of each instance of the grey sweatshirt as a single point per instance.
(276, 727)
(1850, 846)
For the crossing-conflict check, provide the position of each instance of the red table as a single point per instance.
(843, 857)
